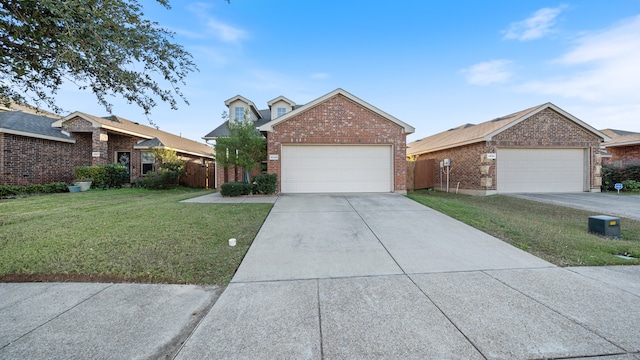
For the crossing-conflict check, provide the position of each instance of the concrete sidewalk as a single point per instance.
(380, 276)
(99, 321)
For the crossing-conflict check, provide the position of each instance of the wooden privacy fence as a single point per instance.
(421, 174)
(198, 175)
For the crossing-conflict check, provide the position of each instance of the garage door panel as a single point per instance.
(330, 168)
(540, 170)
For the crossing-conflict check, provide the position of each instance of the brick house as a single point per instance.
(623, 149)
(37, 150)
(540, 149)
(335, 143)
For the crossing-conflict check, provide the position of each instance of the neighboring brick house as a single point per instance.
(623, 149)
(335, 143)
(37, 149)
(540, 149)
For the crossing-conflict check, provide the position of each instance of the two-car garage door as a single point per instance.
(541, 170)
(336, 168)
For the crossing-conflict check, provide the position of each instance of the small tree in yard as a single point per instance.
(167, 174)
(244, 146)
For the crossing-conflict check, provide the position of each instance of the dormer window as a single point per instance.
(281, 111)
(239, 113)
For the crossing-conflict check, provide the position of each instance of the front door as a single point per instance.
(124, 158)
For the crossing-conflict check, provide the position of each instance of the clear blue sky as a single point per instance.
(432, 64)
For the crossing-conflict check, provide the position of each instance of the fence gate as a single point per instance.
(198, 175)
(424, 174)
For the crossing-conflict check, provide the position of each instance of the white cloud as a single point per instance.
(601, 67)
(534, 27)
(225, 32)
(213, 26)
(489, 72)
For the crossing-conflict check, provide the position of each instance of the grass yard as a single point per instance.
(131, 235)
(555, 233)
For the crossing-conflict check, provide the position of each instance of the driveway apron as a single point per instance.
(365, 276)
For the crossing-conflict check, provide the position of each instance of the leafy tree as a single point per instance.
(244, 146)
(102, 45)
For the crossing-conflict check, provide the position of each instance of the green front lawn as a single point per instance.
(555, 233)
(133, 235)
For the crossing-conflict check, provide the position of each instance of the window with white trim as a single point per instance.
(281, 111)
(239, 113)
(147, 159)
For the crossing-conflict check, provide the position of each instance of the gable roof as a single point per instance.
(279, 98)
(470, 133)
(158, 138)
(621, 138)
(244, 99)
(408, 129)
(30, 125)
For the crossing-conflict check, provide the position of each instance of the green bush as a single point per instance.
(160, 179)
(236, 189)
(266, 183)
(115, 176)
(89, 173)
(612, 175)
(7, 191)
(103, 176)
(631, 185)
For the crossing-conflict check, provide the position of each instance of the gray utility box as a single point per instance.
(608, 226)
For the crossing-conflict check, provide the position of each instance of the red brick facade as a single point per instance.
(547, 129)
(339, 120)
(623, 156)
(27, 160)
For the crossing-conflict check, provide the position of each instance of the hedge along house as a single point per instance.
(623, 148)
(540, 149)
(38, 150)
(335, 143)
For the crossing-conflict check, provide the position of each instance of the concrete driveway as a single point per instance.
(599, 203)
(380, 276)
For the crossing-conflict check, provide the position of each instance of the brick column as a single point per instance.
(100, 145)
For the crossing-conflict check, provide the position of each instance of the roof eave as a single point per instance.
(35, 135)
(188, 152)
(440, 148)
(626, 143)
(542, 107)
(407, 129)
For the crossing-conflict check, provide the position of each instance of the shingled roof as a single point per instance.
(621, 138)
(222, 130)
(24, 124)
(470, 133)
(153, 136)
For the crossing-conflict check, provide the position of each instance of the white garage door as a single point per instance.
(336, 168)
(541, 170)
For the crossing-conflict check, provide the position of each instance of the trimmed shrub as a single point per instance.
(89, 173)
(7, 191)
(115, 176)
(103, 176)
(236, 189)
(160, 179)
(266, 183)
